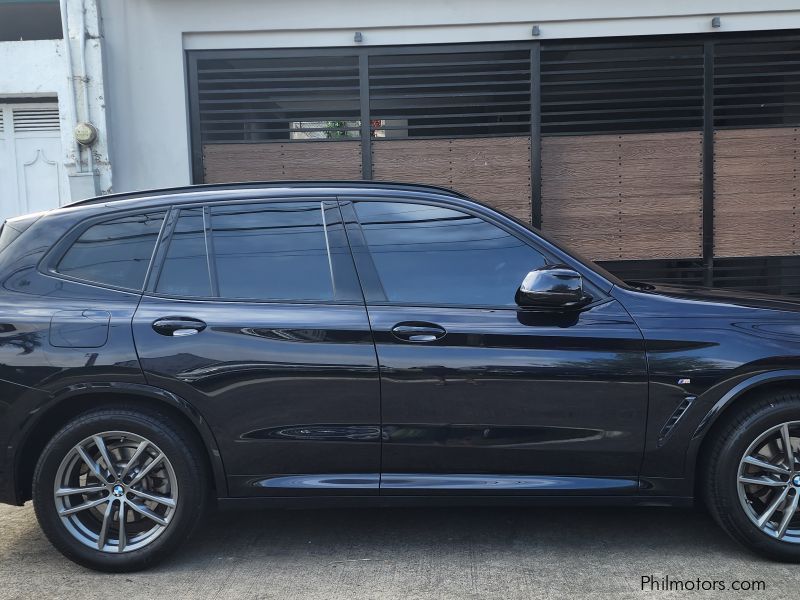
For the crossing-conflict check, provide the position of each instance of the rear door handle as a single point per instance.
(418, 332)
(178, 326)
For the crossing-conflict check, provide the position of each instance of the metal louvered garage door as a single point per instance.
(667, 158)
(287, 117)
(457, 119)
(622, 148)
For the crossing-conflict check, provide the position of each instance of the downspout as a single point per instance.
(73, 109)
(85, 79)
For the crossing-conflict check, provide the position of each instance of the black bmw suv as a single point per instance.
(336, 343)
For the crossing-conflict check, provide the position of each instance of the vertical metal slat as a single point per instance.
(708, 162)
(536, 135)
(366, 134)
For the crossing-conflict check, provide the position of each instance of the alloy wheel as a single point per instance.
(769, 482)
(115, 492)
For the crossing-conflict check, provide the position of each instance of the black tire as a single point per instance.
(181, 448)
(732, 439)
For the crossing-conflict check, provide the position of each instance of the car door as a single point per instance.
(254, 316)
(478, 395)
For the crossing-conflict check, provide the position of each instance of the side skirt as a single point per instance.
(306, 502)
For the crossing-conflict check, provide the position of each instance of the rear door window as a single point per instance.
(275, 251)
(116, 252)
(185, 271)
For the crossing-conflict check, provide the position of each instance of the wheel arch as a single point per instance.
(725, 407)
(75, 400)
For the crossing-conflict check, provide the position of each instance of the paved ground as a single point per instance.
(408, 553)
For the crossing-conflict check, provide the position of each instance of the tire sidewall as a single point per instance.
(731, 512)
(189, 481)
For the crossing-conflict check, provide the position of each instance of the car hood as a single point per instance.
(708, 298)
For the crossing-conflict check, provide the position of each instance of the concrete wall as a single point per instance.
(32, 68)
(145, 42)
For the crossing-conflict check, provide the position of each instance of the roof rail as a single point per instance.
(384, 185)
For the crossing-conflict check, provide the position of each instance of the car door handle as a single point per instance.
(178, 326)
(418, 332)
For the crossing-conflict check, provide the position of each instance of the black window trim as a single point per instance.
(527, 237)
(211, 253)
(157, 264)
(48, 265)
(162, 245)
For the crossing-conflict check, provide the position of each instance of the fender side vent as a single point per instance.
(673, 419)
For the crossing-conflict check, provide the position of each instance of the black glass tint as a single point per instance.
(115, 252)
(272, 251)
(433, 255)
(185, 270)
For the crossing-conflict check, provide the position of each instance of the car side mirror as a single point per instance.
(552, 287)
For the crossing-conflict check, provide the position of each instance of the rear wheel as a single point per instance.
(118, 489)
(753, 476)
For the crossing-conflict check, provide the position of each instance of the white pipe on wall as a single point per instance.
(71, 101)
(85, 79)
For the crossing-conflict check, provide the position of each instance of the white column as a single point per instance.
(89, 173)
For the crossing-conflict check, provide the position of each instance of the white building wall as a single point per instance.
(145, 43)
(33, 69)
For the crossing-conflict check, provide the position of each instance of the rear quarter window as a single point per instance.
(116, 252)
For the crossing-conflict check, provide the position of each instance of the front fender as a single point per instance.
(737, 391)
(713, 414)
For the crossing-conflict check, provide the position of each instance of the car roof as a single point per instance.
(265, 189)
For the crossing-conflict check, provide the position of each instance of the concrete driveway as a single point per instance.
(410, 553)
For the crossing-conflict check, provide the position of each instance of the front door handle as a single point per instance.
(418, 332)
(178, 326)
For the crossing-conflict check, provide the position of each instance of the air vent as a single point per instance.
(673, 420)
(35, 119)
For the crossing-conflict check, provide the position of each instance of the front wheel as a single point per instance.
(753, 477)
(118, 489)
